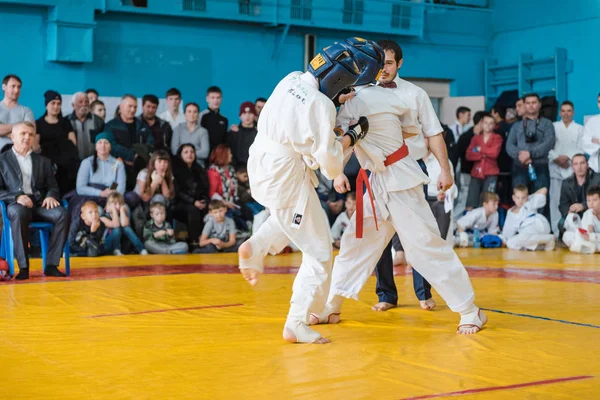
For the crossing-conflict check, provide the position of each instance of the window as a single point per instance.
(194, 5)
(249, 7)
(301, 9)
(353, 12)
(135, 3)
(401, 15)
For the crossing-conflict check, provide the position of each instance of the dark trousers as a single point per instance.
(20, 217)
(193, 218)
(386, 287)
(521, 176)
(212, 249)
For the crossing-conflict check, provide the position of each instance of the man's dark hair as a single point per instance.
(579, 155)
(214, 89)
(462, 109)
(501, 110)
(151, 98)
(90, 90)
(173, 92)
(478, 117)
(568, 103)
(241, 168)
(260, 99)
(537, 96)
(192, 104)
(593, 190)
(9, 77)
(487, 115)
(390, 45)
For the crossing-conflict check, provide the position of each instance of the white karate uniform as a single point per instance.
(476, 219)
(568, 143)
(526, 229)
(575, 240)
(339, 226)
(295, 136)
(591, 131)
(401, 207)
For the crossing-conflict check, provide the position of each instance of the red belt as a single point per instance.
(363, 180)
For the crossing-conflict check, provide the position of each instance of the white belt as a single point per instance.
(274, 148)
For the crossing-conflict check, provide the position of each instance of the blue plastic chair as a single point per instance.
(7, 250)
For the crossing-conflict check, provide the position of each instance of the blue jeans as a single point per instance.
(386, 287)
(112, 240)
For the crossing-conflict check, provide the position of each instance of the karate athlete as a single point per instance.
(295, 136)
(396, 182)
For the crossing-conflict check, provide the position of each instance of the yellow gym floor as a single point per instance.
(189, 327)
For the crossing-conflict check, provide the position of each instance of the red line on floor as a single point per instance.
(494, 388)
(165, 310)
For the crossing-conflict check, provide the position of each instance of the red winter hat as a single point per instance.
(247, 106)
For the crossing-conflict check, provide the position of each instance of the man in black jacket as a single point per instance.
(160, 129)
(28, 187)
(212, 120)
(574, 189)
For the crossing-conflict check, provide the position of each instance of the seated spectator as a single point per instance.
(244, 195)
(524, 228)
(87, 236)
(98, 109)
(584, 237)
(331, 201)
(191, 132)
(219, 233)
(212, 120)
(191, 192)
(529, 143)
(28, 187)
(58, 142)
(116, 219)
(484, 219)
(159, 237)
(223, 186)
(92, 95)
(483, 152)
(85, 124)
(573, 189)
(159, 129)
(343, 220)
(241, 139)
(172, 114)
(129, 141)
(98, 177)
(11, 112)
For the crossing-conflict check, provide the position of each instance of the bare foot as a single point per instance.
(334, 318)
(250, 275)
(305, 335)
(470, 325)
(383, 306)
(428, 304)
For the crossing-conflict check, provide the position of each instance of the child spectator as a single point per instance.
(483, 151)
(524, 228)
(219, 234)
(584, 238)
(245, 198)
(343, 220)
(159, 237)
(484, 218)
(87, 239)
(97, 108)
(116, 219)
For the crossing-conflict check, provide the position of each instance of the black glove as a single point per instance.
(358, 131)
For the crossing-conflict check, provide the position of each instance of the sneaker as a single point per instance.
(117, 253)
(144, 252)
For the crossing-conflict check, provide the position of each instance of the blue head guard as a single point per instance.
(335, 68)
(369, 56)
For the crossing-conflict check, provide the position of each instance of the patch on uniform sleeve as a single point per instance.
(317, 62)
(297, 219)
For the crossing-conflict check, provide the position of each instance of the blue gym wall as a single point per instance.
(538, 26)
(133, 51)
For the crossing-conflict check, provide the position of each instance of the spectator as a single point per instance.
(116, 219)
(159, 237)
(11, 112)
(87, 235)
(258, 105)
(483, 152)
(463, 117)
(591, 140)
(465, 165)
(241, 140)
(343, 220)
(129, 141)
(245, 198)
(191, 192)
(502, 127)
(520, 108)
(212, 120)
(161, 130)
(172, 115)
(331, 201)
(584, 237)
(98, 109)
(92, 95)
(219, 233)
(58, 142)
(569, 136)
(85, 124)
(529, 144)
(574, 188)
(504, 185)
(484, 218)
(191, 132)
(28, 187)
